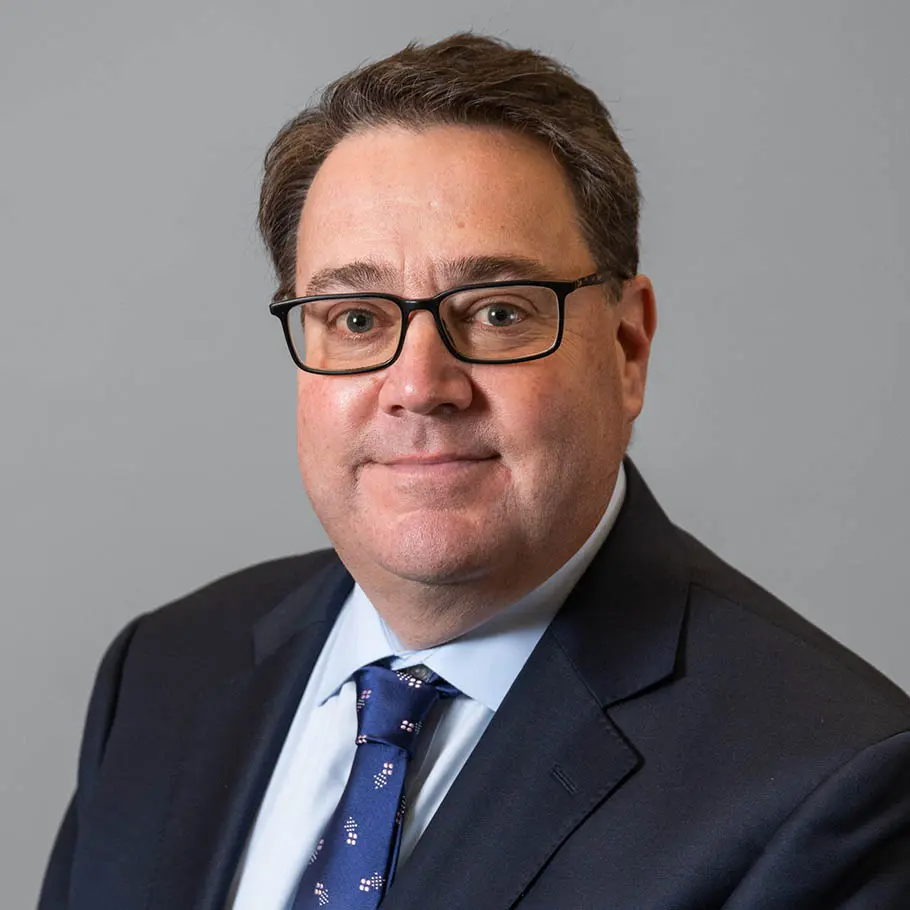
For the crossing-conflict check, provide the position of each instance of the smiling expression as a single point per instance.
(433, 470)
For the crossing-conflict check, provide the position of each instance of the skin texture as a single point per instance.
(452, 489)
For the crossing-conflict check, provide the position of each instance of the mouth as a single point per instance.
(432, 459)
(436, 464)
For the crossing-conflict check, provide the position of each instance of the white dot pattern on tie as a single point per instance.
(354, 863)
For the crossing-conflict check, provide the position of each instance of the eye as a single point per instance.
(357, 322)
(499, 315)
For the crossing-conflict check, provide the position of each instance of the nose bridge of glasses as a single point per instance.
(411, 308)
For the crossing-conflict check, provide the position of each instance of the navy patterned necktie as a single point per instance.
(353, 864)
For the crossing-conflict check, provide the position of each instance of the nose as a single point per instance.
(425, 378)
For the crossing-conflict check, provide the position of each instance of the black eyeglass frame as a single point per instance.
(562, 289)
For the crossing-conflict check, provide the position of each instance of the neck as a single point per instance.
(424, 615)
(426, 612)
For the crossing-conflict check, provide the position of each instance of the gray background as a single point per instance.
(148, 403)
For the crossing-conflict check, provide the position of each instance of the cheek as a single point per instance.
(566, 419)
(537, 417)
(311, 409)
(334, 400)
(331, 413)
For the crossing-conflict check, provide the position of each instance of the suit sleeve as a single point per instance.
(55, 889)
(847, 847)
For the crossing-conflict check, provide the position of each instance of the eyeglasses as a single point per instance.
(498, 322)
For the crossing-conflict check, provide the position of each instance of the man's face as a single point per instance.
(442, 472)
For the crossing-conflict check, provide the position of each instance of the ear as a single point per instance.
(636, 323)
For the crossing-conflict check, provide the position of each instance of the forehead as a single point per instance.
(408, 199)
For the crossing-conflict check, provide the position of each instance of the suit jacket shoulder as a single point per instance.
(207, 634)
(186, 716)
(803, 652)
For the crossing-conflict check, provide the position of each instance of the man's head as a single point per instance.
(461, 163)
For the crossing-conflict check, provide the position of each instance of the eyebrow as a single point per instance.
(370, 275)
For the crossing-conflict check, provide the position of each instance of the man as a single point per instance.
(513, 682)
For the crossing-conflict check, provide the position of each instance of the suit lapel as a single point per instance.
(232, 743)
(551, 754)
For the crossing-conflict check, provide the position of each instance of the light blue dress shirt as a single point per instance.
(318, 751)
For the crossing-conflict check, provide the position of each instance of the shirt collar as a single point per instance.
(482, 663)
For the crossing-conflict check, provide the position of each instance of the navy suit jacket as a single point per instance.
(678, 740)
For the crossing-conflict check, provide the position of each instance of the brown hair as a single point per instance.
(472, 80)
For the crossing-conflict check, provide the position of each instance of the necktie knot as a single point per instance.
(393, 704)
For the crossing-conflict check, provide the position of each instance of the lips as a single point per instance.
(431, 459)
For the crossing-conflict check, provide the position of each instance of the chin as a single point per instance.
(439, 551)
